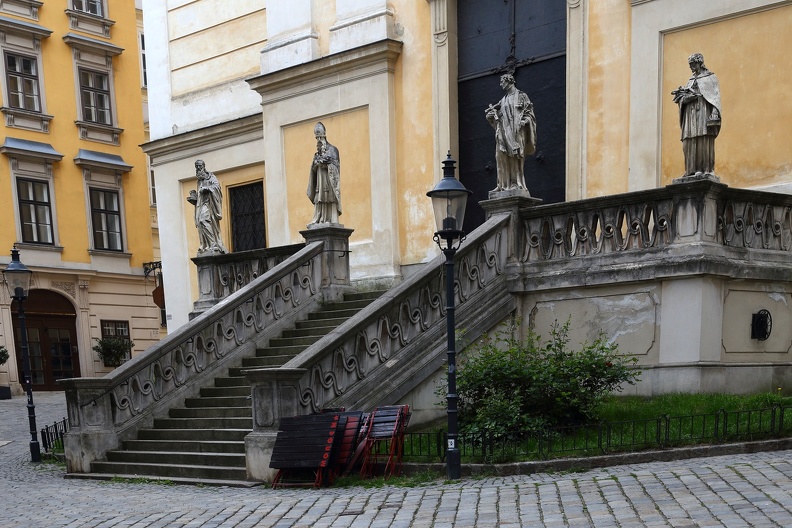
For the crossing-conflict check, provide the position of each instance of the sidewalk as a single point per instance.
(737, 490)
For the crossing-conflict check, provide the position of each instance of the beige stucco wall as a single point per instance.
(750, 56)
(349, 132)
(608, 95)
(636, 54)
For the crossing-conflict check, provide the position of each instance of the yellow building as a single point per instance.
(75, 187)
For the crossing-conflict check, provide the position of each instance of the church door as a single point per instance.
(526, 38)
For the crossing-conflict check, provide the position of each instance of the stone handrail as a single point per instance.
(397, 341)
(103, 411)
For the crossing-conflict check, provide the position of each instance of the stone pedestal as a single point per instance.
(335, 257)
(276, 394)
(511, 202)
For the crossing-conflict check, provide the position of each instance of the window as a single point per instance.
(35, 212)
(93, 86)
(23, 83)
(115, 329)
(94, 7)
(144, 76)
(95, 95)
(106, 220)
(247, 216)
(24, 103)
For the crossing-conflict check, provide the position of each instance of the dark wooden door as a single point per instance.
(50, 320)
(526, 38)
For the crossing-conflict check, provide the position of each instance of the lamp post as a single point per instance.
(449, 200)
(17, 278)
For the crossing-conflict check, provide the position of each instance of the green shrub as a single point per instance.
(3, 355)
(506, 385)
(113, 350)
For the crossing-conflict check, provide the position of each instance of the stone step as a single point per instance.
(196, 446)
(334, 314)
(231, 381)
(169, 480)
(219, 401)
(179, 458)
(294, 341)
(369, 295)
(170, 470)
(217, 435)
(330, 324)
(279, 351)
(211, 412)
(213, 392)
(267, 361)
(346, 304)
(305, 332)
(203, 423)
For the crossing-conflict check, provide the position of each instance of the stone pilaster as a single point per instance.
(335, 257)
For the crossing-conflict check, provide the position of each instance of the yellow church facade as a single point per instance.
(75, 191)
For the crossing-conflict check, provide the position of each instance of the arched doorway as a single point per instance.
(52, 339)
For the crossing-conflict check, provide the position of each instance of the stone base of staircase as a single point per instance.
(167, 480)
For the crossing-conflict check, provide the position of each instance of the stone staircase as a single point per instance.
(203, 441)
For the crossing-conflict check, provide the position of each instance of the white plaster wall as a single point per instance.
(155, 20)
(288, 17)
(202, 96)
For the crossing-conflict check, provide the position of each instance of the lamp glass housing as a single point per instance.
(449, 210)
(17, 277)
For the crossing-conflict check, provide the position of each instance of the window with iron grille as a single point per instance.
(106, 220)
(115, 329)
(23, 83)
(35, 211)
(95, 97)
(93, 7)
(247, 216)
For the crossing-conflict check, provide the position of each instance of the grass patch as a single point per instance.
(629, 424)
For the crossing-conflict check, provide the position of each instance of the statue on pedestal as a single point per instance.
(700, 117)
(208, 201)
(324, 185)
(515, 134)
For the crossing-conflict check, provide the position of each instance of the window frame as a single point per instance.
(115, 324)
(8, 54)
(237, 234)
(95, 57)
(106, 213)
(94, 91)
(85, 20)
(48, 204)
(23, 40)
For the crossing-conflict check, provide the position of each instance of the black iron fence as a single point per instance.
(606, 437)
(52, 436)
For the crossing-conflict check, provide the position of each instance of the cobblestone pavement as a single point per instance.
(739, 490)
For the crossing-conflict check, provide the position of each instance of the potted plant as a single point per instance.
(113, 350)
(5, 390)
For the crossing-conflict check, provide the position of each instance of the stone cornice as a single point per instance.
(330, 70)
(175, 147)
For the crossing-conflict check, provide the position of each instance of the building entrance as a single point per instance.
(52, 339)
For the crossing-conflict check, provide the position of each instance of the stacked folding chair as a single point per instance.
(384, 440)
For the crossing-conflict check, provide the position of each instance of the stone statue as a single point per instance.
(699, 116)
(515, 134)
(208, 201)
(324, 188)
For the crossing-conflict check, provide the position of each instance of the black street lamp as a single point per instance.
(17, 278)
(449, 199)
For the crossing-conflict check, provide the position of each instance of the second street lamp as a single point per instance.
(17, 278)
(449, 200)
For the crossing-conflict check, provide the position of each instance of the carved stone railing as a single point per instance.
(389, 348)
(104, 411)
(221, 275)
(678, 214)
(699, 226)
